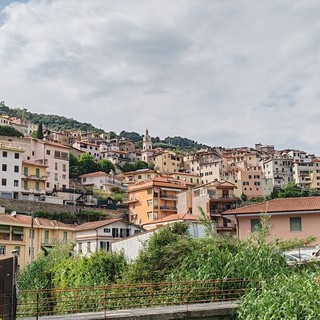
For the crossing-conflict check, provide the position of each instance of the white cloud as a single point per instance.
(228, 73)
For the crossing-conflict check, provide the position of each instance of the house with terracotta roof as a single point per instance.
(101, 180)
(16, 233)
(289, 218)
(98, 235)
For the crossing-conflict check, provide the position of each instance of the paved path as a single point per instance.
(160, 313)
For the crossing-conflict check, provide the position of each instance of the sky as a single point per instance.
(224, 73)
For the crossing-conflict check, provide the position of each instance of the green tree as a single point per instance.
(73, 166)
(106, 166)
(9, 131)
(291, 190)
(87, 164)
(40, 131)
(127, 167)
(141, 165)
(162, 254)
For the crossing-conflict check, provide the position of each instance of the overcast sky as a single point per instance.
(225, 73)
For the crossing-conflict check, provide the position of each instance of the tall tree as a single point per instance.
(87, 164)
(40, 131)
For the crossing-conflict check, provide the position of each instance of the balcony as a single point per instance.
(225, 226)
(168, 208)
(51, 242)
(34, 177)
(168, 196)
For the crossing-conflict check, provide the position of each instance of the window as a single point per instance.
(37, 186)
(48, 152)
(106, 230)
(4, 232)
(17, 233)
(88, 246)
(149, 203)
(25, 185)
(16, 168)
(4, 167)
(149, 215)
(37, 172)
(3, 182)
(104, 245)
(149, 191)
(295, 224)
(2, 250)
(124, 232)
(64, 167)
(65, 236)
(255, 225)
(17, 248)
(4, 154)
(80, 247)
(25, 171)
(16, 155)
(16, 183)
(55, 177)
(46, 236)
(115, 232)
(56, 166)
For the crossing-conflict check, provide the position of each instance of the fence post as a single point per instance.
(105, 302)
(151, 296)
(37, 309)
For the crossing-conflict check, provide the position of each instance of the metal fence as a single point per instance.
(116, 297)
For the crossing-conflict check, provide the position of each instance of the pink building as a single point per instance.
(289, 218)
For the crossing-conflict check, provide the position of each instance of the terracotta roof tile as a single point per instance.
(279, 205)
(95, 224)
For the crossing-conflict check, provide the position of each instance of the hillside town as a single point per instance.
(174, 186)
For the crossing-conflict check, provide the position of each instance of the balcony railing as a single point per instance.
(169, 208)
(168, 196)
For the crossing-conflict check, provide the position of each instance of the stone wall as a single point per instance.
(22, 206)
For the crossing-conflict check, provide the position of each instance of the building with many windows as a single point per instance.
(16, 233)
(10, 169)
(153, 199)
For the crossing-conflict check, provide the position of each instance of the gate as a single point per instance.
(8, 297)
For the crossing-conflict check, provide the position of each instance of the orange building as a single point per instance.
(153, 199)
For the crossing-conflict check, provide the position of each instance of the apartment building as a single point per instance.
(153, 199)
(16, 233)
(10, 168)
(90, 148)
(168, 161)
(214, 198)
(33, 180)
(55, 157)
(315, 175)
(279, 169)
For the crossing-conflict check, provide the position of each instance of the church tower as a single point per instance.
(147, 152)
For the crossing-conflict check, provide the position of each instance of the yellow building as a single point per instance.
(168, 161)
(153, 199)
(16, 233)
(33, 180)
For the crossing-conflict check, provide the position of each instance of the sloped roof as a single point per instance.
(25, 221)
(175, 217)
(101, 223)
(279, 205)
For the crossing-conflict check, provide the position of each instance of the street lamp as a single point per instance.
(15, 253)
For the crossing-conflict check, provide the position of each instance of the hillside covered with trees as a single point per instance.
(56, 122)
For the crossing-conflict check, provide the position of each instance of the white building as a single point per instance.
(93, 236)
(10, 168)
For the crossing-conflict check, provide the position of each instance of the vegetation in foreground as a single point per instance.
(172, 255)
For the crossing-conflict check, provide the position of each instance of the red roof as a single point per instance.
(175, 217)
(279, 205)
(97, 224)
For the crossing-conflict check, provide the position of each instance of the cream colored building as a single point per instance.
(168, 161)
(16, 233)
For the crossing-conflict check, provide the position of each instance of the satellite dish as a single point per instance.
(13, 213)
